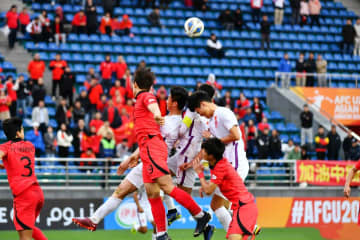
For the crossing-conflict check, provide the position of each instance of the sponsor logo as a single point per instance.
(125, 215)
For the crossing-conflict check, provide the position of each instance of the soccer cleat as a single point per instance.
(85, 223)
(257, 230)
(172, 216)
(165, 236)
(133, 230)
(209, 232)
(201, 224)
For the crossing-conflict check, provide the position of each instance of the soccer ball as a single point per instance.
(194, 27)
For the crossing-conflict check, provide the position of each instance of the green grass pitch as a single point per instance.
(179, 234)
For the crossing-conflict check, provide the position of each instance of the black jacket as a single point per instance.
(91, 17)
(225, 18)
(78, 114)
(265, 27)
(310, 66)
(154, 18)
(348, 33)
(300, 66)
(22, 92)
(60, 115)
(306, 119)
(355, 153)
(117, 119)
(38, 93)
(67, 82)
(76, 140)
(295, 4)
(238, 18)
(347, 144)
(222, 102)
(263, 145)
(275, 146)
(334, 143)
(85, 103)
(53, 27)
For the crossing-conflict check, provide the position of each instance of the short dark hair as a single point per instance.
(196, 98)
(11, 126)
(208, 89)
(215, 147)
(179, 95)
(144, 78)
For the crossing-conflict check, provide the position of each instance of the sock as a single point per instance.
(158, 211)
(37, 234)
(185, 200)
(169, 202)
(224, 217)
(160, 234)
(107, 207)
(154, 236)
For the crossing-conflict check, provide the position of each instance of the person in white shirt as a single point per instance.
(279, 11)
(34, 28)
(357, 38)
(40, 115)
(286, 148)
(214, 47)
(64, 139)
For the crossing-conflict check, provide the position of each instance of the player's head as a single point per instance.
(200, 102)
(177, 99)
(213, 150)
(208, 89)
(13, 128)
(143, 80)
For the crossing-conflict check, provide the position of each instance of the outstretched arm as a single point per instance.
(154, 109)
(347, 189)
(129, 162)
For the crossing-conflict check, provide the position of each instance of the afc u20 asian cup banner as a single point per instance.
(325, 173)
(343, 104)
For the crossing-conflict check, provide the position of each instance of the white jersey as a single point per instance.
(170, 130)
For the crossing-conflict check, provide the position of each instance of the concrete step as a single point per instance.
(353, 5)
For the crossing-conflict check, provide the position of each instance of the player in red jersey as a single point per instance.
(153, 153)
(347, 189)
(18, 157)
(224, 176)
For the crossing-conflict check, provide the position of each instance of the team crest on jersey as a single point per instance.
(213, 177)
(150, 169)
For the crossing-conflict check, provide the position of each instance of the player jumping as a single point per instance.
(225, 177)
(18, 158)
(350, 176)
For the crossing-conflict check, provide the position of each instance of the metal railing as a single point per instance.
(68, 173)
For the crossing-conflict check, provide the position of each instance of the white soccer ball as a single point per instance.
(194, 27)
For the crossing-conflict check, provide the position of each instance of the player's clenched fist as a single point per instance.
(160, 120)
(347, 191)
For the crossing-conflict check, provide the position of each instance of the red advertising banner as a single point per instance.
(325, 173)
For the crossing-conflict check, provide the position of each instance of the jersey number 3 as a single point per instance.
(27, 166)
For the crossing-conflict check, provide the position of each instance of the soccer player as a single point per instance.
(347, 189)
(225, 177)
(18, 157)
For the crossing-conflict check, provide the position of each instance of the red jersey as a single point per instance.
(12, 93)
(4, 104)
(97, 123)
(145, 123)
(24, 18)
(120, 69)
(357, 166)
(106, 69)
(19, 162)
(57, 68)
(230, 183)
(12, 19)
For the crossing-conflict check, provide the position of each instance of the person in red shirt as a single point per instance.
(242, 104)
(251, 135)
(120, 67)
(106, 24)
(89, 154)
(12, 94)
(5, 102)
(224, 177)
(97, 122)
(79, 22)
(45, 26)
(257, 109)
(128, 84)
(24, 19)
(129, 107)
(57, 29)
(36, 68)
(161, 98)
(94, 93)
(350, 176)
(57, 66)
(12, 23)
(91, 141)
(112, 115)
(264, 124)
(124, 26)
(118, 91)
(106, 69)
(34, 29)
(18, 157)
(102, 103)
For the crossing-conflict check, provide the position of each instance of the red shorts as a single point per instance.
(153, 154)
(27, 207)
(244, 220)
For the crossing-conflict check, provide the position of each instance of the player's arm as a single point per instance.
(155, 110)
(136, 200)
(129, 162)
(2, 154)
(207, 187)
(347, 189)
(234, 135)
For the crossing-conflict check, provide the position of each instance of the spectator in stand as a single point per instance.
(36, 138)
(321, 144)
(279, 11)
(79, 132)
(85, 103)
(91, 141)
(118, 91)
(257, 109)
(59, 12)
(102, 104)
(105, 129)
(118, 101)
(226, 19)
(36, 68)
(306, 118)
(57, 66)
(248, 116)
(265, 32)
(78, 112)
(111, 114)
(357, 38)
(256, 6)
(300, 71)
(161, 96)
(106, 24)
(12, 94)
(314, 9)
(310, 67)
(334, 144)
(129, 107)
(251, 135)
(12, 23)
(238, 19)
(21, 93)
(321, 69)
(295, 154)
(211, 81)
(285, 69)
(242, 104)
(287, 148)
(142, 64)
(304, 12)
(61, 113)
(154, 17)
(120, 67)
(214, 47)
(79, 22)
(347, 145)
(295, 11)
(5, 102)
(24, 20)
(29, 88)
(88, 154)
(304, 153)
(263, 144)
(106, 68)
(107, 146)
(227, 101)
(50, 142)
(128, 84)
(34, 28)
(67, 85)
(40, 116)
(38, 92)
(91, 74)
(94, 93)
(275, 145)
(97, 122)
(64, 139)
(348, 34)
(91, 17)
(109, 6)
(146, 3)
(45, 26)
(201, 5)
(354, 150)
(124, 26)
(57, 29)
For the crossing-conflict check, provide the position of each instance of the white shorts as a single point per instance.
(184, 178)
(135, 176)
